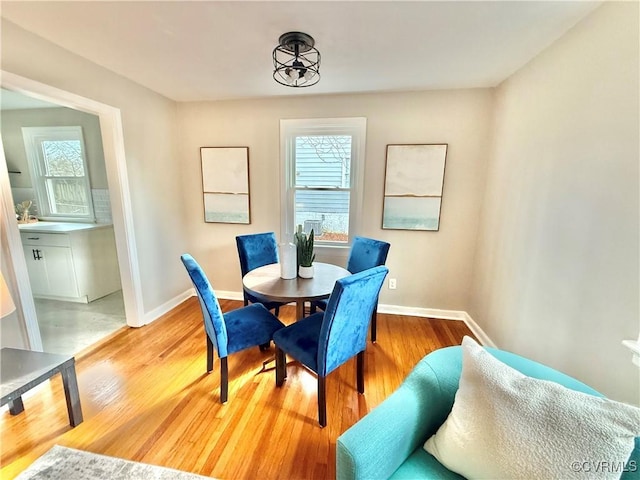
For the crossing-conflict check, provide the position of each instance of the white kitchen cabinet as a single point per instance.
(51, 271)
(77, 263)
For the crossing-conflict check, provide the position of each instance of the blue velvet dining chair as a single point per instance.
(229, 332)
(325, 340)
(256, 250)
(365, 253)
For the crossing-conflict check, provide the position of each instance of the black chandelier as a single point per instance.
(296, 61)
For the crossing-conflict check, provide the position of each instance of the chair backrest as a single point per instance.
(367, 253)
(346, 319)
(256, 250)
(211, 312)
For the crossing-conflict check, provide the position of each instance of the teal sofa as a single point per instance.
(387, 443)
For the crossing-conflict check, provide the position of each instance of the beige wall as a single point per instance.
(12, 139)
(555, 275)
(149, 134)
(433, 269)
(557, 270)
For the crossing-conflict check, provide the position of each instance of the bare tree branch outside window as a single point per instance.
(63, 158)
(330, 148)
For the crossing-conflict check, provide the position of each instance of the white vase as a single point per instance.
(305, 272)
(288, 261)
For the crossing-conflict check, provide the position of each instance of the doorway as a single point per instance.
(114, 157)
(66, 327)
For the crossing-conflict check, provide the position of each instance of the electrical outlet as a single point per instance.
(392, 283)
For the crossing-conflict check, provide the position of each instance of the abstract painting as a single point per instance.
(414, 181)
(225, 184)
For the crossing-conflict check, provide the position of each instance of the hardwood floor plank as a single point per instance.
(146, 397)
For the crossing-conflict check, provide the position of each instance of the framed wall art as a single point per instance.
(414, 179)
(225, 184)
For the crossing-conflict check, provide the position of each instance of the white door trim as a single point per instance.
(116, 166)
(9, 225)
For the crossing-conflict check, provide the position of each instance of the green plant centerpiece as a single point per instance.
(304, 246)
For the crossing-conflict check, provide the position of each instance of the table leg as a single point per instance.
(299, 309)
(16, 406)
(72, 395)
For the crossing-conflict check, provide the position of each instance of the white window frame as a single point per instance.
(32, 137)
(292, 128)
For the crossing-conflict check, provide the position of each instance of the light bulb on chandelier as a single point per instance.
(296, 61)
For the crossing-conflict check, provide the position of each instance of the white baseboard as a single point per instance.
(443, 315)
(167, 306)
(228, 295)
(178, 299)
(478, 332)
(634, 346)
(422, 312)
(460, 315)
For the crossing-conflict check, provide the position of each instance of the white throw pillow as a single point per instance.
(505, 425)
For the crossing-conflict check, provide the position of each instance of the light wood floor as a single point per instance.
(146, 397)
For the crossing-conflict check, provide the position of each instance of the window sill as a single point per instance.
(334, 254)
(67, 219)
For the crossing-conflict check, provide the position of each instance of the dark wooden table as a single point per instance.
(22, 370)
(266, 282)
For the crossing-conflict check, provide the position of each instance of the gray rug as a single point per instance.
(62, 463)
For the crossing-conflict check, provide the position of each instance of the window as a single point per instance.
(323, 170)
(59, 172)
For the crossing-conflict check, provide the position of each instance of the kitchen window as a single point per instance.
(59, 173)
(323, 169)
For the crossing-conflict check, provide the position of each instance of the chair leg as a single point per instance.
(374, 319)
(209, 354)
(322, 401)
(360, 372)
(277, 311)
(281, 366)
(224, 380)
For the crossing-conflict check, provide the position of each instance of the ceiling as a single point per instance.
(210, 50)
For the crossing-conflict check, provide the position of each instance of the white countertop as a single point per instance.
(60, 227)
